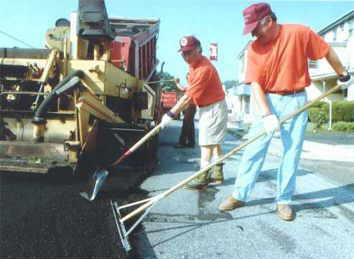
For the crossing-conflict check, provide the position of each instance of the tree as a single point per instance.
(230, 83)
(167, 86)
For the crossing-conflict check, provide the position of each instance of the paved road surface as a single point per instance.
(44, 217)
(187, 224)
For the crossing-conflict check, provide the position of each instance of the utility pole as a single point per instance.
(327, 100)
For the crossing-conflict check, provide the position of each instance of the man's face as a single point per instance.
(190, 56)
(261, 31)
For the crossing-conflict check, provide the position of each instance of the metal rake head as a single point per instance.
(123, 235)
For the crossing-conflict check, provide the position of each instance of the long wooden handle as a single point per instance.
(153, 132)
(190, 178)
(306, 106)
(230, 153)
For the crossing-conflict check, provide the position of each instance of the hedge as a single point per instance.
(318, 104)
(342, 111)
(343, 126)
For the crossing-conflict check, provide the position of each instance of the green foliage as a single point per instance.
(317, 117)
(341, 111)
(230, 83)
(342, 126)
(168, 86)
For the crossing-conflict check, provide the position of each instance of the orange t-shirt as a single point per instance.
(282, 64)
(204, 84)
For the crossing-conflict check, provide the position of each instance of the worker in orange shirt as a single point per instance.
(205, 91)
(277, 69)
(187, 135)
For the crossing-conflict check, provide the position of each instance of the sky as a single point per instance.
(211, 21)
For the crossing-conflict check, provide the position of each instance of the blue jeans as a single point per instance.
(292, 137)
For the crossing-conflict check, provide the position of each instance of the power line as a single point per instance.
(14, 38)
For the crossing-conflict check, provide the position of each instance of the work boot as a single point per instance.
(217, 175)
(230, 204)
(285, 212)
(199, 183)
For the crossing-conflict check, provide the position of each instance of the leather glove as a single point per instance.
(166, 119)
(345, 81)
(271, 123)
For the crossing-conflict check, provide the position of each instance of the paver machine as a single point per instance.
(83, 100)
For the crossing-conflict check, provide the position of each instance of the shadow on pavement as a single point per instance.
(188, 227)
(266, 175)
(327, 198)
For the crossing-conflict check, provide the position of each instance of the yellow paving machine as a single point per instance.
(84, 99)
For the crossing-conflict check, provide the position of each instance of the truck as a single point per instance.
(168, 99)
(84, 99)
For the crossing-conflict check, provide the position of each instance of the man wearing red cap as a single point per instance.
(277, 69)
(205, 91)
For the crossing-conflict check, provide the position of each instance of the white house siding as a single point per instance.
(340, 35)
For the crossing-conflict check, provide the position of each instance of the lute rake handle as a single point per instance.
(151, 201)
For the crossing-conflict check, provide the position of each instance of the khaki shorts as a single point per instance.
(212, 123)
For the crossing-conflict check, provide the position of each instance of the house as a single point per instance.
(243, 102)
(238, 103)
(340, 35)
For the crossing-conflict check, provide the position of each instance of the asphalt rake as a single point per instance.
(147, 204)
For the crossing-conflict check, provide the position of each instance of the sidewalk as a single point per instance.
(318, 151)
(325, 147)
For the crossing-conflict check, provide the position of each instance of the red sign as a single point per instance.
(213, 51)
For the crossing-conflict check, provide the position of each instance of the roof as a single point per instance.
(337, 22)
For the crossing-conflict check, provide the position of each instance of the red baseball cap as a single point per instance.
(188, 43)
(253, 14)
